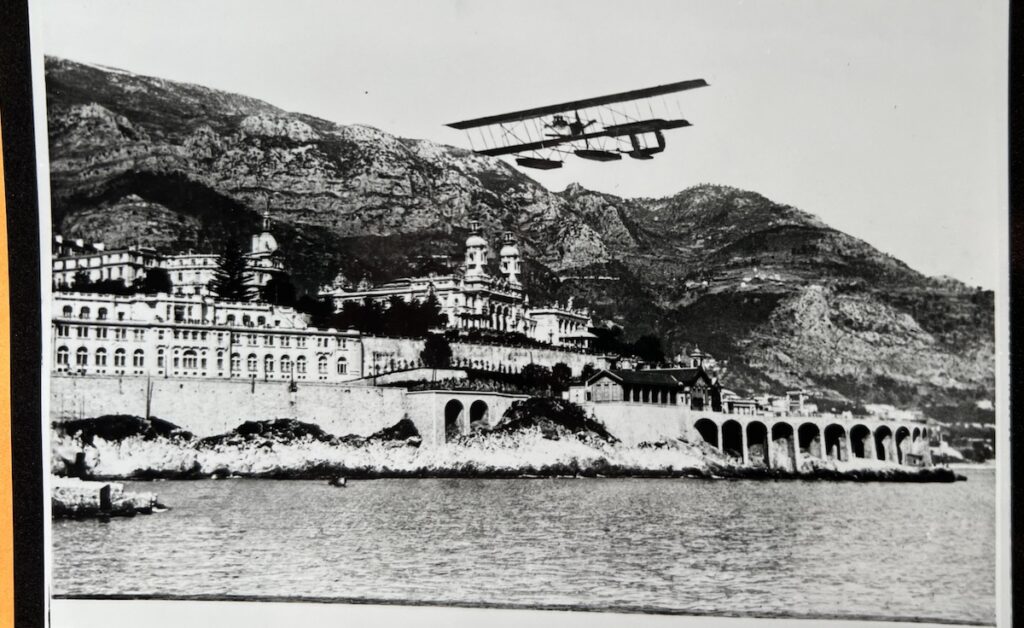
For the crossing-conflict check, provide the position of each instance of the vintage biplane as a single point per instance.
(600, 129)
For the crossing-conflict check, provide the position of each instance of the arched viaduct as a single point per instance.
(442, 415)
(784, 441)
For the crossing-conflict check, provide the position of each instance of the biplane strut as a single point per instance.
(618, 119)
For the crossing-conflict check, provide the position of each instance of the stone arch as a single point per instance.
(757, 442)
(836, 445)
(883, 442)
(902, 440)
(453, 411)
(479, 414)
(785, 452)
(732, 438)
(809, 438)
(708, 430)
(860, 439)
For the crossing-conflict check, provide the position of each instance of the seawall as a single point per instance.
(206, 407)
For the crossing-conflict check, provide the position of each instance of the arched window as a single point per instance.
(300, 364)
(230, 320)
(138, 358)
(286, 364)
(101, 314)
(83, 313)
(82, 357)
(119, 357)
(160, 358)
(101, 357)
(268, 364)
(67, 311)
(342, 366)
(62, 356)
(220, 360)
(250, 362)
(236, 363)
(189, 359)
(321, 365)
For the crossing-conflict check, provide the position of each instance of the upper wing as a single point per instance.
(527, 114)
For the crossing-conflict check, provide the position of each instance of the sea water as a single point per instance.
(761, 548)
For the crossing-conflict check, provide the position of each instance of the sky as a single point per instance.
(885, 118)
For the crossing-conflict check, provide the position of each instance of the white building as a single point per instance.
(562, 327)
(194, 336)
(190, 273)
(473, 298)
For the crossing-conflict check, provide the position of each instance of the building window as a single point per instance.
(160, 334)
(101, 314)
(286, 364)
(189, 359)
(160, 358)
(268, 340)
(341, 343)
(300, 342)
(236, 362)
(82, 357)
(67, 311)
(138, 358)
(300, 365)
(101, 357)
(83, 313)
(83, 331)
(286, 341)
(121, 333)
(342, 366)
(250, 362)
(119, 357)
(220, 360)
(101, 332)
(62, 330)
(321, 365)
(251, 340)
(62, 356)
(268, 364)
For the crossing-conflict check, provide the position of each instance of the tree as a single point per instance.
(437, 353)
(587, 371)
(154, 281)
(81, 282)
(537, 376)
(229, 280)
(561, 376)
(278, 290)
(648, 348)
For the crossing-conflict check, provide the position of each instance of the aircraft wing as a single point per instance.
(575, 105)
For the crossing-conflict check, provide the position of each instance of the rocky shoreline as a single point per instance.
(288, 449)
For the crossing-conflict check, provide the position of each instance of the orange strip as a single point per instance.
(6, 481)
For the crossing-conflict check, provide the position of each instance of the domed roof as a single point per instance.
(509, 249)
(475, 240)
(264, 243)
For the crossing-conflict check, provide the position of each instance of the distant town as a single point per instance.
(232, 316)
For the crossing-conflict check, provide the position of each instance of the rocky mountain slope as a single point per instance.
(784, 298)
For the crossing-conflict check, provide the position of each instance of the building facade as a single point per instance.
(190, 273)
(474, 298)
(194, 336)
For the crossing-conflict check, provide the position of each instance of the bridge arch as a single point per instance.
(479, 414)
(453, 414)
(836, 445)
(860, 442)
(757, 442)
(903, 440)
(708, 430)
(883, 442)
(732, 439)
(785, 453)
(809, 435)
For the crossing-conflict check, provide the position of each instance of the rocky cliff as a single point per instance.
(784, 298)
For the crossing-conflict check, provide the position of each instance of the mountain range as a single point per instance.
(774, 293)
